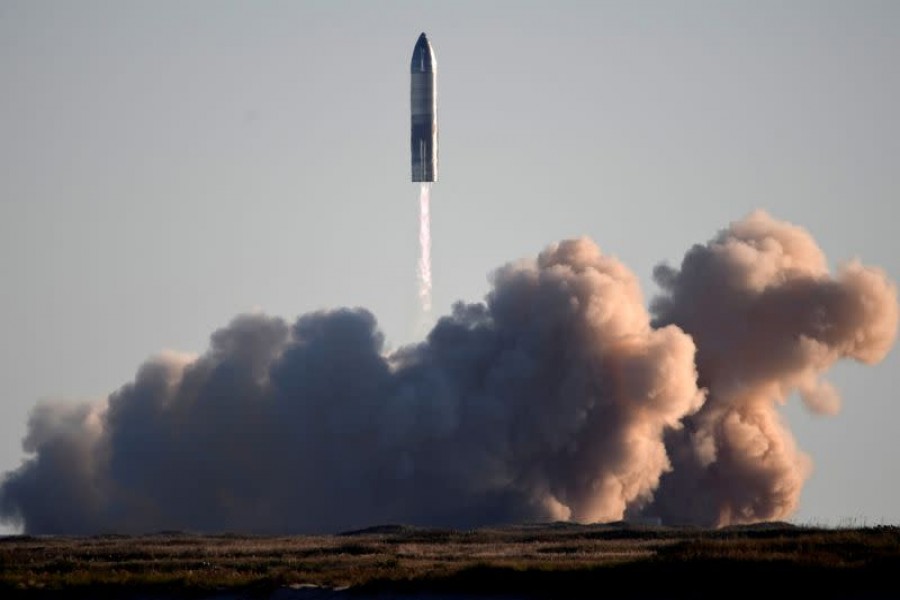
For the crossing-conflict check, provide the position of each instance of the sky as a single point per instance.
(169, 165)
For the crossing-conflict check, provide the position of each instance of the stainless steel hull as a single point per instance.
(423, 105)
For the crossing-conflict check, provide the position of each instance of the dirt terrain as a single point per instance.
(547, 561)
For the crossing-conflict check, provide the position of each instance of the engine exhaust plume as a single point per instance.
(424, 266)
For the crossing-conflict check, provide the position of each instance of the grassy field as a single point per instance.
(554, 560)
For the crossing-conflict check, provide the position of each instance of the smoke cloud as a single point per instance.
(555, 398)
(768, 320)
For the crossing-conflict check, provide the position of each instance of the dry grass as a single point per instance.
(537, 560)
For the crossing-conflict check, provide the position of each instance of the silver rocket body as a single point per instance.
(423, 105)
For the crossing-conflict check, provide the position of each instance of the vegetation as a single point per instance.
(555, 560)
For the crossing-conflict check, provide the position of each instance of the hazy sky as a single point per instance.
(168, 165)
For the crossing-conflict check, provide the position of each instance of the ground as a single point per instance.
(549, 561)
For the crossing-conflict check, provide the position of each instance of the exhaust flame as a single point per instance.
(425, 248)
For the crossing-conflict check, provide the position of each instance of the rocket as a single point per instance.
(423, 105)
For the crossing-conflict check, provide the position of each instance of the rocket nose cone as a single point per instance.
(423, 55)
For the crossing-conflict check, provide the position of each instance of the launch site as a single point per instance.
(404, 300)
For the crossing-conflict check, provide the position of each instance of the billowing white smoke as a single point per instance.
(768, 320)
(556, 398)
